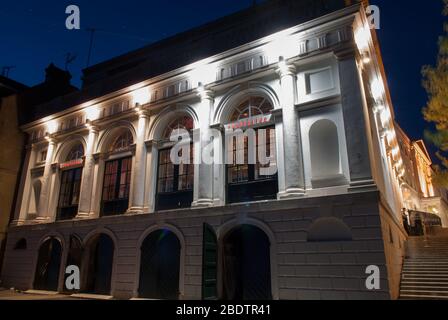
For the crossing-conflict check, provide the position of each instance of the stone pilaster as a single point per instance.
(355, 122)
(85, 195)
(44, 201)
(293, 159)
(203, 172)
(136, 203)
(25, 188)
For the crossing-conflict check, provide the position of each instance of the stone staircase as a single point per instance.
(425, 268)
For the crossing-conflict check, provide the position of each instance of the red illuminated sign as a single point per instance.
(249, 122)
(70, 164)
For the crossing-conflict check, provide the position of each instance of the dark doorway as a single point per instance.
(99, 270)
(209, 263)
(48, 265)
(246, 273)
(159, 266)
(74, 257)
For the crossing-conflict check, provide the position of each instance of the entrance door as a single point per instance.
(159, 266)
(100, 265)
(74, 257)
(246, 273)
(48, 265)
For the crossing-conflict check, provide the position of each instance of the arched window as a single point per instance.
(77, 152)
(175, 127)
(123, 142)
(251, 107)
(117, 177)
(250, 177)
(324, 153)
(70, 183)
(175, 178)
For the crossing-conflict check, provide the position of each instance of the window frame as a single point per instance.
(68, 188)
(116, 203)
(250, 187)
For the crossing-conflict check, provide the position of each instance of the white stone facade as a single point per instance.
(331, 153)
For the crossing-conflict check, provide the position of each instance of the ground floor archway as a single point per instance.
(100, 256)
(160, 265)
(48, 265)
(246, 265)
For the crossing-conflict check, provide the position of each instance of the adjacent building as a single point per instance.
(100, 189)
(419, 192)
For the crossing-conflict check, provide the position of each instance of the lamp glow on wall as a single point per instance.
(282, 65)
(204, 73)
(92, 113)
(385, 117)
(390, 136)
(377, 89)
(395, 152)
(281, 45)
(362, 37)
(141, 96)
(52, 126)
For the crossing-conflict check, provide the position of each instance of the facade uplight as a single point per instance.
(92, 113)
(362, 37)
(141, 96)
(377, 88)
(52, 126)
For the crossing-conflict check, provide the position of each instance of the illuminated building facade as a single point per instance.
(100, 191)
(419, 192)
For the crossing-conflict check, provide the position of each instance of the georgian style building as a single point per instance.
(99, 189)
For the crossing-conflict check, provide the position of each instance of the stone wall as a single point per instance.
(300, 269)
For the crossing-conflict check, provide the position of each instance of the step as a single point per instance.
(424, 283)
(426, 292)
(91, 296)
(42, 292)
(423, 286)
(426, 267)
(421, 296)
(426, 274)
(424, 279)
(419, 270)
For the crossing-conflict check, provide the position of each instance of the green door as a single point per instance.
(209, 263)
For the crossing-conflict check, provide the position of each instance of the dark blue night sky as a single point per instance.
(33, 34)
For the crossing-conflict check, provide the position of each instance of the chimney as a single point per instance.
(54, 75)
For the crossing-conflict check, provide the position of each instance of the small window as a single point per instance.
(391, 236)
(43, 155)
(21, 244)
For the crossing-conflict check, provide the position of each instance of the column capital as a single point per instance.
(92, 127)
(50, 138)
(206, 94)
(143, 114)
(286, 70)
